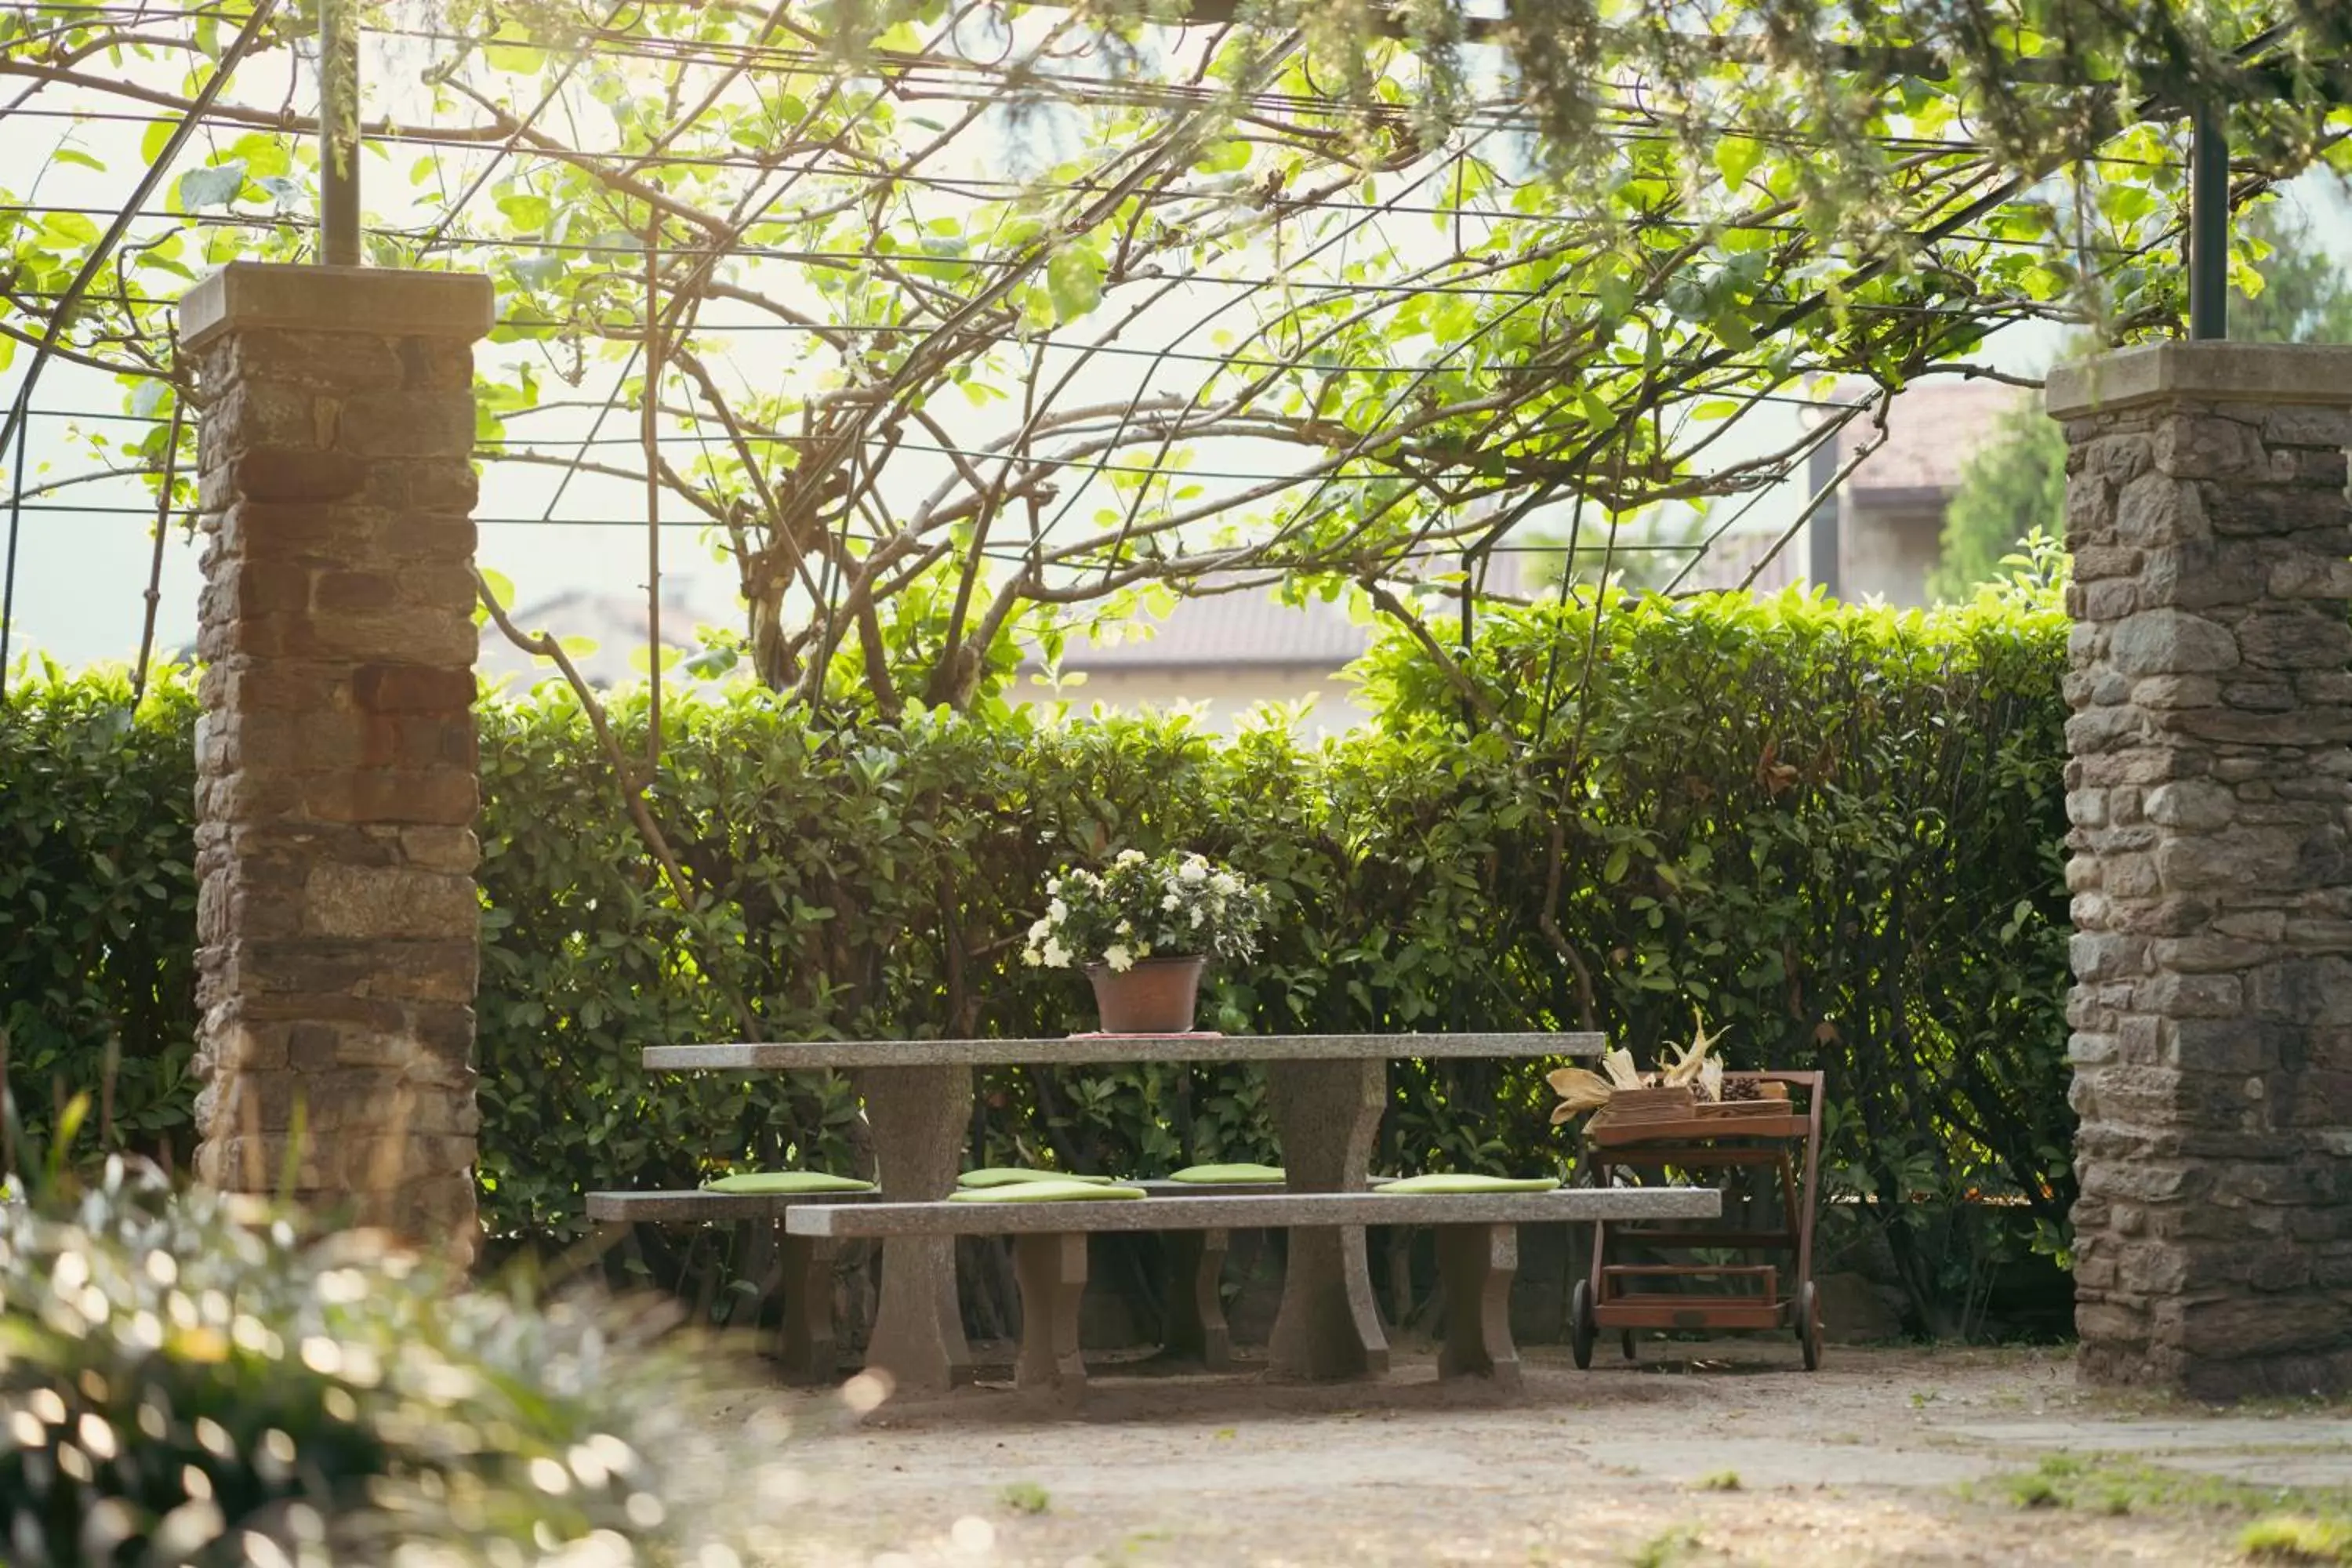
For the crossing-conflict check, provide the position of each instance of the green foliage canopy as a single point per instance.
(979, 325)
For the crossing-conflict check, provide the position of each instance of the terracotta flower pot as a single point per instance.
(1154, 997)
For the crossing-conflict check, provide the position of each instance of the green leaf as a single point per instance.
(1074, 281)
(501, 588)
(77, 157)
(212, 187)
(1223, 157)
(529, 213)
(69, 231)
(510, 54)
(1736, 157)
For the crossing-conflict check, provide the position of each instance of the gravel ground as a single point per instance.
(1885, 1456)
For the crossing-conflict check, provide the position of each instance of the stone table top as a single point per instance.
(1268, 1212)
(802, 1055)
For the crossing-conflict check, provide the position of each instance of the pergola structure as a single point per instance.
(2207, 512)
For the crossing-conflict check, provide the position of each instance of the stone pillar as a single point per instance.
(336, 779)
(2212, 870)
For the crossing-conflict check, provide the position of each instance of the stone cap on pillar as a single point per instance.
(2210, 371)
(383, 302)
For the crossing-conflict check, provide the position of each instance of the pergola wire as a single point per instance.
(1299, 325)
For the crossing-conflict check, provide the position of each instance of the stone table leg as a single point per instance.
(919, 1115)
(1328, 1326)
(1476, 1264)
(1052, 1272)
(1196, 1308)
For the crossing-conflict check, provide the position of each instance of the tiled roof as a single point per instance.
(1932, 431)
(1249, 629)
(616, 622)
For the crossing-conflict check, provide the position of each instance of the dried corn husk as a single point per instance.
(1692, 1059)
(1578, 1093)
(1695, 1065)
(1619, 1065)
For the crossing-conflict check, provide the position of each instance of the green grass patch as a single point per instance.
(2115, 1484)
(2298, 1538)
(1025, 1497)
(1665, 1549)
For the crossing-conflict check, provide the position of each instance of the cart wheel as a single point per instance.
(1581, 1328)
(1809, 1324)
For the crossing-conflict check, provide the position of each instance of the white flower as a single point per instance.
(1197, 914)
(1225, 882)
(1057, 911)
(1052, 884)
(1056, 955)
(1042, 930)
(1127, 928)
(1129, 858)
(1194, 870)
(1118, 958)
(1170, 901)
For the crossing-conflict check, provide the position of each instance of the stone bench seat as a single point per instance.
(686, 1206)
(1477, 1251)
(1197, 1329)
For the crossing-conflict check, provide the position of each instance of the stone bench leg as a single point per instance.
(1051, 1269)
(1196, 1304)
(1475, 1265)
(804, 1344)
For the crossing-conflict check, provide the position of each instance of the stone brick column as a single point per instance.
(2212, 872)
(336, 778)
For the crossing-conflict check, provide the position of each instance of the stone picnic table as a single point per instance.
(1327, 1092)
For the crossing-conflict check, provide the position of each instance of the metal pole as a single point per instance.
(2209, 225)
(338, 133)
(652, 435)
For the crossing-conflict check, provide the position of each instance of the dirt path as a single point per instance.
(1885, 1455)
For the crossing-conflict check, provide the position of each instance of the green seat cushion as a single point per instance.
(1044, 1192)
(1013, 1175)
(1219, 1175)
(773, 1182)
(1469, 1184)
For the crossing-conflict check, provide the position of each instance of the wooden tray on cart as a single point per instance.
(1726, 1118)
(1653, 1132)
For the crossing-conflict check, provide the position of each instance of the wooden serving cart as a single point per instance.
(1756, 1127)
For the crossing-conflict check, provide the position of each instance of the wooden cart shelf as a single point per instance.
(1621, 1297)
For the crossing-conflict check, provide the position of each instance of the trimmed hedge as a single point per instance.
(1836, 829)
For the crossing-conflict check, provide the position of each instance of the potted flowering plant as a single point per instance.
(1143, 930)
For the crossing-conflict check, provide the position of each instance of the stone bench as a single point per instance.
(1477, 1252)
(1196, 1327)
(804, 1343)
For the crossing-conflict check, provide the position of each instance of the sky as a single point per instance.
(83, 574)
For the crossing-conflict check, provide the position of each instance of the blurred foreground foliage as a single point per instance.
(189, 1378)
